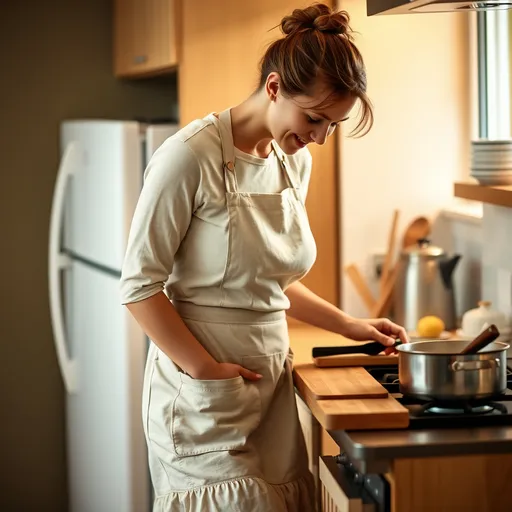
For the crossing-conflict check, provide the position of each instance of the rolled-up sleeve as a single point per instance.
(169, 197)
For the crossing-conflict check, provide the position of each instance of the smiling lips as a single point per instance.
(300, 141)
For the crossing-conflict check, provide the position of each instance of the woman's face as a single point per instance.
(295, 122)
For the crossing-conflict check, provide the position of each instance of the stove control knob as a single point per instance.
(358, 478)
(342, 459)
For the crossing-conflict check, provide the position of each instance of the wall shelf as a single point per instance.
(499, 196)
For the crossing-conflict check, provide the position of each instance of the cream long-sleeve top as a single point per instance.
(178, 240)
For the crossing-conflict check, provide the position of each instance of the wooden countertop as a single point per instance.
(340, 398)
(304, 337)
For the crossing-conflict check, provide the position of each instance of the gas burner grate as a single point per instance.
(429, 413)
(461, 409)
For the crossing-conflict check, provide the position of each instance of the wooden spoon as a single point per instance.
(481, 341)
(390, 252)
(417, 229)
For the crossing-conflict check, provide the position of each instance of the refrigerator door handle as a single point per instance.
(58, 261)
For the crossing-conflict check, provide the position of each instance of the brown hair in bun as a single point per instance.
(318, 44)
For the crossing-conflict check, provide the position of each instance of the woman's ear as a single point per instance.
(272, 85)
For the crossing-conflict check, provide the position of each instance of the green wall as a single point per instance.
(55, 63)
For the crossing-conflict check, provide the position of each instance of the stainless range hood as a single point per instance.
(374, 7)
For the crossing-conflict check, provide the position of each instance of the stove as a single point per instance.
(429, 414)
(369, 492)
(363, 481)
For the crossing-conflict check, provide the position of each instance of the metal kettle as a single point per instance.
(424, 285)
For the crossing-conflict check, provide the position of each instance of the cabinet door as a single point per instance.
(161, 34)
(144, 37)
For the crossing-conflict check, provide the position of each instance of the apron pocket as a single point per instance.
(214, 415)
(271, 367)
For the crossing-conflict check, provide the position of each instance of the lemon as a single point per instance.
(430, 327)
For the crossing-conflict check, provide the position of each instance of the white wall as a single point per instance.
(418, 80)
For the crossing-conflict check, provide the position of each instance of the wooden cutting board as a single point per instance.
(344, 398)
(355, 360)
(337, 383)
(368, 414)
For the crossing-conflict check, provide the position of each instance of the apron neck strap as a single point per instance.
(281, 156)
(228, 150)
(223, 123)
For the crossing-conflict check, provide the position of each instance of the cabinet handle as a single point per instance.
(140, 59)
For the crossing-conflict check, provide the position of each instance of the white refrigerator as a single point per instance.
(101, 350)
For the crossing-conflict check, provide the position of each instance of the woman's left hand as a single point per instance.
(382, 330)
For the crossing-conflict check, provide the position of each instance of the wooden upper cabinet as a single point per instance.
(145, 37)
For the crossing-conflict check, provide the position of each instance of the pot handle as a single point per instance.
(475, 365)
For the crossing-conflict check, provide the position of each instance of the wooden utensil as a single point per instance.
(383, 305)
(390, 252)
(388, 278)
(419, 228)
(481, 341)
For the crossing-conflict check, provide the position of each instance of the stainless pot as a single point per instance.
(434, 370)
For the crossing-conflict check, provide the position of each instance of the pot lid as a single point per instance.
(423, 248)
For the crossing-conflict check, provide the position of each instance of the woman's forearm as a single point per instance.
(162, 323)
(308, 307)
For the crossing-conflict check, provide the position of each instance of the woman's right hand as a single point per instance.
(218, 371)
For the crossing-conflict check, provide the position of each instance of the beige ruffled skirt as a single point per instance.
(227, 445)
(241, 495)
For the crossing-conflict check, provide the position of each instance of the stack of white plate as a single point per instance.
(491, 161)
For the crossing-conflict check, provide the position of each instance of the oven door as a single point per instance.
(341, 492)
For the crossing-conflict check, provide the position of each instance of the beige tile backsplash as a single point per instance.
(497, 257)
(485, 270)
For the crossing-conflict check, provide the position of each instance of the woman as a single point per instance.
(221, 226)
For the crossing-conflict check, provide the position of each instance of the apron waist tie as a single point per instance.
(222, 315)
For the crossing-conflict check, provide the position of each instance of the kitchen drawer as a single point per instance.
(339, 493)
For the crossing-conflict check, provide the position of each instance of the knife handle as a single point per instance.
(371, 349)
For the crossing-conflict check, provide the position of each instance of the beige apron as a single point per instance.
(235, 445)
